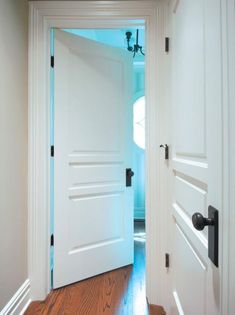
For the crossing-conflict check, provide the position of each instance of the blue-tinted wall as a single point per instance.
(139, 154)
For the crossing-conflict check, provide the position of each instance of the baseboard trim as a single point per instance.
(19, 302)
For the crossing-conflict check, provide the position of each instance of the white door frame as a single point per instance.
(95, 14)
(228, 69)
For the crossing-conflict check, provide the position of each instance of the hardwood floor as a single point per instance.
(119, 292)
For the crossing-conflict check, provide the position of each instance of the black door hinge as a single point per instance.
(167, 260)
(166, 148)
(52, 61)
(52, 151)
(52, 239)
(167, 44)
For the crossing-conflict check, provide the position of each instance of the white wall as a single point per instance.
(13, 147)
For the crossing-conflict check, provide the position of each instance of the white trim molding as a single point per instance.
(94, 14)
(228, 239)
(19, 302)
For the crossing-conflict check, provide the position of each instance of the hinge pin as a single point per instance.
(52, 239)
(167, 260)
(52, 151)
(52, 61)
(167, 44)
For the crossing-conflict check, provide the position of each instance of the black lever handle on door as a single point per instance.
(129, 174)
(199, 222)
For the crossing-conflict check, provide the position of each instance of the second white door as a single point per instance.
(196, 158)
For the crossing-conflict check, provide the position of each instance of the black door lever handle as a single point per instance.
(199, 222)
(129, 174)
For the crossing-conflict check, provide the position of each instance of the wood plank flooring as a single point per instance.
(119, 292)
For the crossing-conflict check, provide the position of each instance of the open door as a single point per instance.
(196, 158)
(93, 214)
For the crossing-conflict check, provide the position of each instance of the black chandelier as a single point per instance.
(136, 47)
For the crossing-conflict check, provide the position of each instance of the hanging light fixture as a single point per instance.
(136, 47)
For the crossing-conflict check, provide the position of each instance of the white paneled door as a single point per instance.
(196, 155)
(93, 214)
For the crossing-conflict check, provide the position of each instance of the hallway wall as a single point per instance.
(13, 144)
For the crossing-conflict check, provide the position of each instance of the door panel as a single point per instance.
(105, 104)
(189, 72)
(93, 141)
(105, 208)
(196, 153)
(184, 276)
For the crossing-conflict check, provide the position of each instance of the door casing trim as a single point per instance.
(44, 15)
(228, 117)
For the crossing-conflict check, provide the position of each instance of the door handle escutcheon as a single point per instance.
(199, 222)
(129, 174)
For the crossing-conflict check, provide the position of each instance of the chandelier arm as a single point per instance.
(137, 37)
(136, 47)
(141, 50)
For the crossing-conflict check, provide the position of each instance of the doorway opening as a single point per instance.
(92, 15)
(116, 38)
